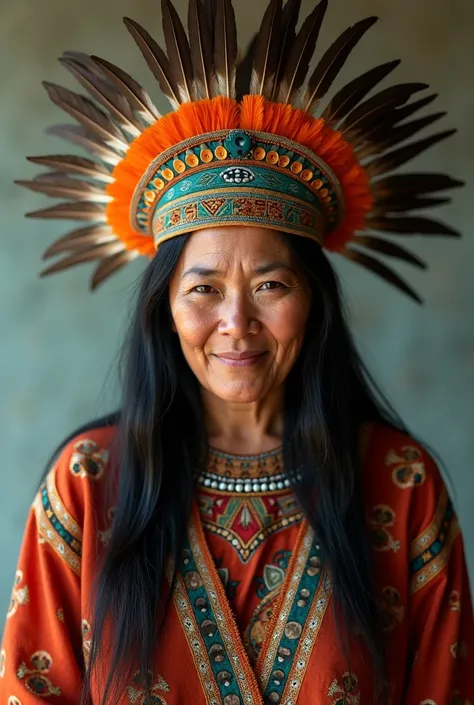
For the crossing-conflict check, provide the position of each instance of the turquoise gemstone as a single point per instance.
(238, 144)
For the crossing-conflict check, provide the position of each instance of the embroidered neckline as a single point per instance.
(227, 465)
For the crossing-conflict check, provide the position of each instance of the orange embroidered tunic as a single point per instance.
(251, 616)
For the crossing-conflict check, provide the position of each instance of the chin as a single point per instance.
(241, 394)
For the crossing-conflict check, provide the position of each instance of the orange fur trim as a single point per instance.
(253, 113)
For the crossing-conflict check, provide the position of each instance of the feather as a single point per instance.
(78, 135)
(225, 49)
(106, 95)
(389, 136)
(88, 254)
(138, 98)
(157, 61)
(61, 186)
(370, 111)
(401, 202)
(90, 235)
(405, 111)
(289, 20)
(72, 164)
(201, 47)
(390, 249)
(413, 184)
(396, 157)
(410, 225)
(350, 95)
(179, 53)
(301, 54)
(332, 62)
(82, 210)
(266, 51)
(244, 70)
(381, 270)
(110, 265)
(87, 114)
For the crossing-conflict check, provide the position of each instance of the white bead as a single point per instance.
(287, 483)
(230, 488)
(264, 487)
(223, 486)
(256, 488)
(207, 482)
(214, 485)
(280, 485)
(272, 486)
(239, 487)
(248, 487)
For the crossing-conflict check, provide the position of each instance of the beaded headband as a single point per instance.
(247, 143)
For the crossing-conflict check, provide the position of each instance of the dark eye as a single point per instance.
(203, 289)
(268, 286)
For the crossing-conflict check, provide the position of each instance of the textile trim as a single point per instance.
(56, 526)
(137, 695)
(430, 551)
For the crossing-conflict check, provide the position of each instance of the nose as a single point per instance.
(238, 317)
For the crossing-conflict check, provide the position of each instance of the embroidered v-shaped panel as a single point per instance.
(213, 636)
(245, 521)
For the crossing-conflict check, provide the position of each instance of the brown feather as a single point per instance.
(244, 70)
(332, 62)
(225, 49)
(61, 186)
(410, 225)
(108, 97)
(350, 96)
(391, 249)
(110, 265)
(82, 210)
(414, 184)
(87, 114)
(267, 48)
(80, 237)
(370, 111)
(401, 202)
(179, 53)
(157, 61)
(72, 164)
(79, 136)
(300, 55)
(201, 47)
(389, 136)
(289, 20)
(88, 254)
(396, 157)
(381, 270)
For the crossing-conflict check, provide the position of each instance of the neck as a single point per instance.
(244, 428)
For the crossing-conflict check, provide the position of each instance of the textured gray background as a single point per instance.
(59, 344)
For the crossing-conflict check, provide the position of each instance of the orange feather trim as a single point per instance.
(253, 113)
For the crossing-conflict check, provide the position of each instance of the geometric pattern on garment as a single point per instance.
(56, 526)
(245, 521)
(430, 551)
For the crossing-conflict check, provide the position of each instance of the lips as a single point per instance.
(237, 356)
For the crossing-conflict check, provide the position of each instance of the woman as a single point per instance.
(256, 525)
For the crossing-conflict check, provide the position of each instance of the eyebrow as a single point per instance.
(263, 269)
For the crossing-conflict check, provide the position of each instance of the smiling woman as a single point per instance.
(256, 524)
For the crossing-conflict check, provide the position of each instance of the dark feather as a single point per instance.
(60, 186)
(350, 96)
(88, 254)
(201, 47)
(403, 112)
(382, 271)
(398, 203)
(389, 136)
(110, 265)
(244, 70)
(411, 225)
(90, 235)
(79, 136)
(332, 62)
(396, 157)
(87, 114)
(414, 184)
(390, 249)
(179, 53)
(289, 20)
(157, 61)
(72, 164)
(225, 49)
(266, 51)
(82, 210)
(300, 55)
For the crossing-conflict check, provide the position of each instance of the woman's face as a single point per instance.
(240, 306)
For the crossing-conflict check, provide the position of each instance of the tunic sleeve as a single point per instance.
(441, 614)
(42, 654)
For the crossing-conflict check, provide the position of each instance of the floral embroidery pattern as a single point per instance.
(86, 639)
(137, 695)
(3, 657)
(20, 595)
(35, 679)
(60, 614)
(455, 601)
(459, 650)
(392, 608)
(13, 701)
(409, 470)
(379, 522)
(345, 693)
(105, 535)
(88, 460)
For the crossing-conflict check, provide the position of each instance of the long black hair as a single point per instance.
(160, 433)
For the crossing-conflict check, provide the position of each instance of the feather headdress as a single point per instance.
(248, 142)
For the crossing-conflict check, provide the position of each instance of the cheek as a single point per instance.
(193, 324)
(287, 322)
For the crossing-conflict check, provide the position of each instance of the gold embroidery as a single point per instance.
(86, 639)
(88, 460)
(105, 535)
(3, 658)
(379, 522)
(430, 534)
(409, 470)
(459, 650)
(60, 614)
(13, 701)
(346, 693)
(35, 679)
(137, 695)
(20, 595)
(454, 601)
